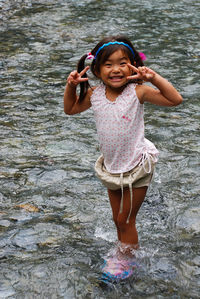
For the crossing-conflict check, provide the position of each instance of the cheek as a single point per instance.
(105, 72)
(129, 72)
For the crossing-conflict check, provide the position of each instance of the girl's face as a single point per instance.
(114, 71)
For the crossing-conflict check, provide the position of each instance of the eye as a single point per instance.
(123, 63)
(108, 64)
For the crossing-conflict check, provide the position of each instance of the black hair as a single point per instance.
(103, 56)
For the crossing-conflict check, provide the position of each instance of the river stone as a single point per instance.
(7, 292)
(26, 239)
(189, 221)
(4, 223)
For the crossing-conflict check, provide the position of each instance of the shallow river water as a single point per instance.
(55, 220)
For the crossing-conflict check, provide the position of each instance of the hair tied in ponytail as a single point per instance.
(90, 56)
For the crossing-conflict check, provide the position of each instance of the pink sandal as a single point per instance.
(114, 269)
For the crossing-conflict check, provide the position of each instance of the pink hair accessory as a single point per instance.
(142, 56)
(90, 56)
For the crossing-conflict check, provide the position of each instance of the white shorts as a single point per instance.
(137, 177)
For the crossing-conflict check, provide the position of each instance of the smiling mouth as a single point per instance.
(116, 78)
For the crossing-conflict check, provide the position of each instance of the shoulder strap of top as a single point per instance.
(134, 91)
(97, 92)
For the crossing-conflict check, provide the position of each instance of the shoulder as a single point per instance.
(90, 92)
(96, 91)
(97, 88)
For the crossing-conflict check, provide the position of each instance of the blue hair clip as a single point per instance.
(114, 43)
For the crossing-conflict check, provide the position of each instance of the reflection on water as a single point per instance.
(55, 219)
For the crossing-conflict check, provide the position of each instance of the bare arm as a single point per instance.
(164, 95)
(71, 101)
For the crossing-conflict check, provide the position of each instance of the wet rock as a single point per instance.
(189, 222)
(28, 207)
(52, 241)
(7, 292)
(26, 239)
(39, 272)
(4, 223)
(46, 178)
(20, 216)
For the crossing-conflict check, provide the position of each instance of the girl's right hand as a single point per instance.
(75, 78)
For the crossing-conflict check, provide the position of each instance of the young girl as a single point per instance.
(127, 162)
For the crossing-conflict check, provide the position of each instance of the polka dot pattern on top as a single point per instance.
(120, 129)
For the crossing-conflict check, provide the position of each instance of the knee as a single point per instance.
(116, 221)
(121, 222)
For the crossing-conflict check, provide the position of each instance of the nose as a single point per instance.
(115, 68)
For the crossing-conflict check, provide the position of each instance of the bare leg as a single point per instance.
(127, 232)
(115, 199)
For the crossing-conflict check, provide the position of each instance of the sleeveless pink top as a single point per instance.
(120, 129)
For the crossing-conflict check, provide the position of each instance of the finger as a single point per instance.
(142, 69)
(83, 79)
(132, 67)
(84, 71)
(133, 77)
(73, 75)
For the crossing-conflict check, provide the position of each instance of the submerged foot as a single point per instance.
(115, 269)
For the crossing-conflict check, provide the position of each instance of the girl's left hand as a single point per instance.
(142, 73)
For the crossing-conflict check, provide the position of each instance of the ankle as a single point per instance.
(125, 249)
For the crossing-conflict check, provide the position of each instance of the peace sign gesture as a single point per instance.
(143, 73)
(75, 78)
